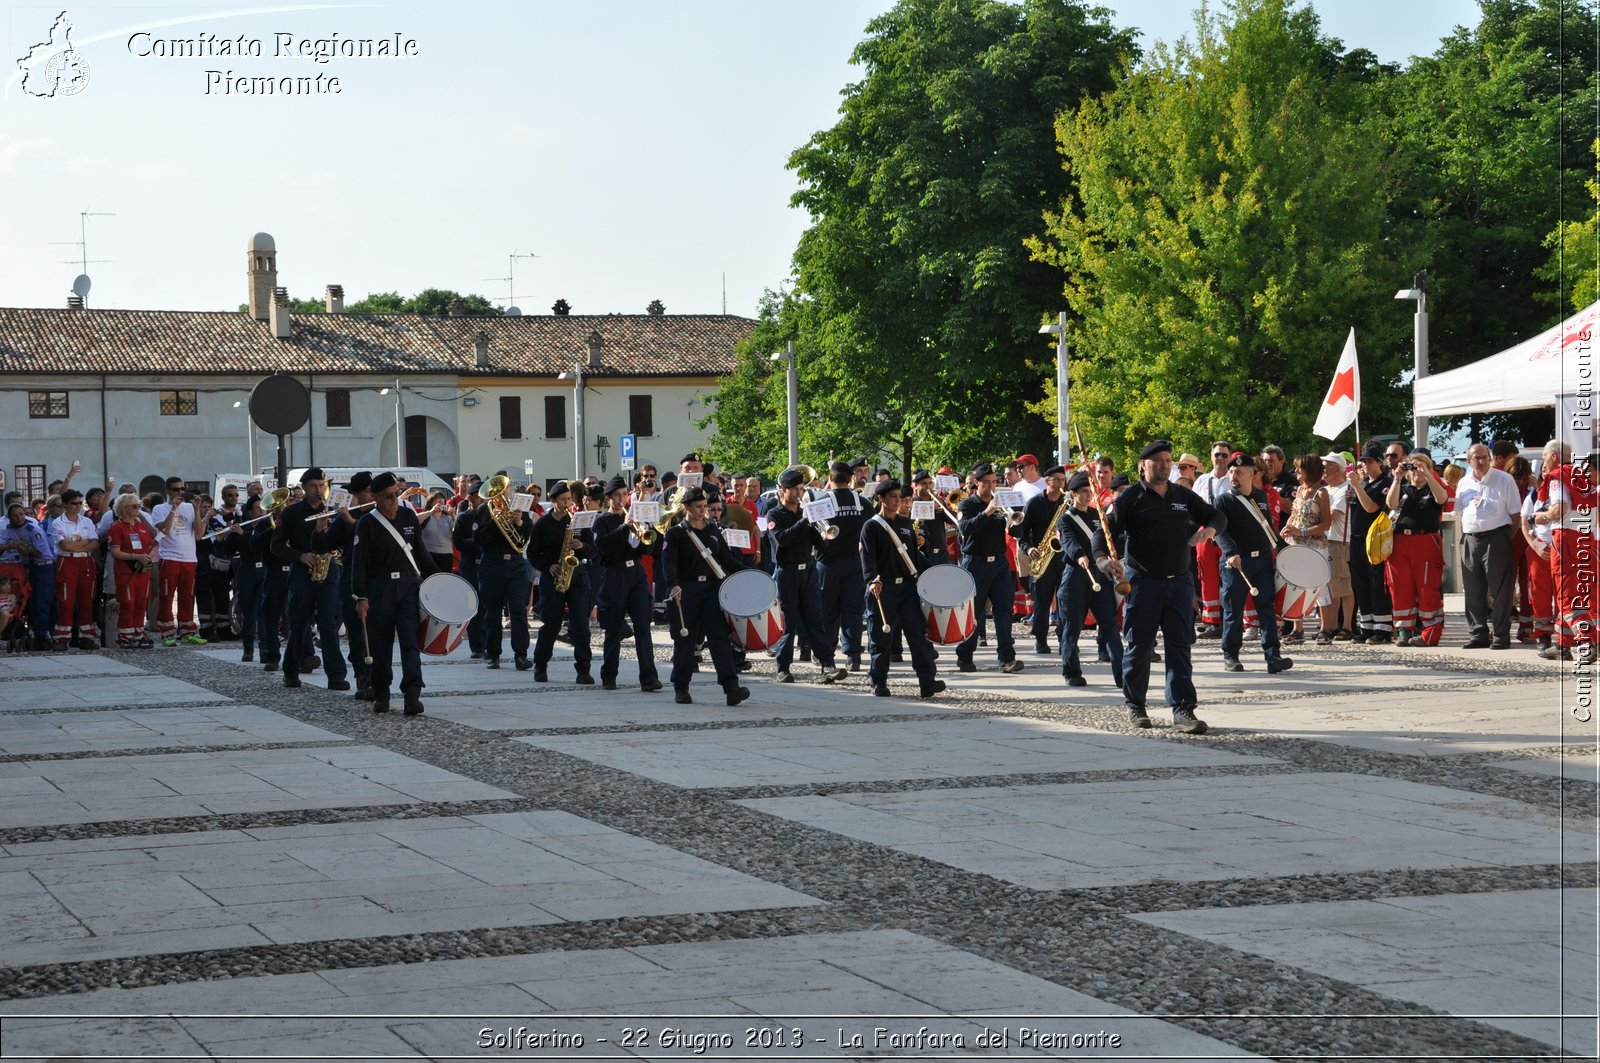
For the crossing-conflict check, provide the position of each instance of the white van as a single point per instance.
(339, 476)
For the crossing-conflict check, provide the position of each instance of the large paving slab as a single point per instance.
(72, 692)
(850, 981)
(1122, 833)
(41, 793)
(1577, 766)
(64, 666)
(843, 753)
(177, 893)
(153, 728)
(1503, 958)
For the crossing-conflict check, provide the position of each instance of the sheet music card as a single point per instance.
(1011, 499)
(737, 538)
(687, 480)
(945, 483)
(644, 512)
(584, 519)
(825, 508)
(923, 511)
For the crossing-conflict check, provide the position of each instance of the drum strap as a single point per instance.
(1087, 534)
(898, 545)
(1255, 511)
(405, 547)
(711, 562)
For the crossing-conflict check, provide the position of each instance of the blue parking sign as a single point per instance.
(626, 450)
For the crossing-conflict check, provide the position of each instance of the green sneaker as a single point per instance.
(192, 640)
(169, 641)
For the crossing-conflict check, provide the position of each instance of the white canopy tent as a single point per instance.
(1559, 361)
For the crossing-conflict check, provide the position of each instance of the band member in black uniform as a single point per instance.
(625, 589)
(389, 566)
(1151, 522)
(251, 574)
(795, 541)
(302, 540)
(889, 567)
(716, 508)
(503, 577)
(274, 591)
(695, 561)
(1037, 527)
(1078, 594)
(843, 590)
(341, 535)
(465, 540)
(935, 545)
(983, 555)
(549, 545)
(1249, 543)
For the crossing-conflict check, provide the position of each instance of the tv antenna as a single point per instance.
(82, 244)
(511, 280)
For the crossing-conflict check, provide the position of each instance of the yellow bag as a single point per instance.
(1380, 540)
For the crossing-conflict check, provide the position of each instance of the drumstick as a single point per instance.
(365, 641)
(885, 619)
(683, 628)
(1251, 587)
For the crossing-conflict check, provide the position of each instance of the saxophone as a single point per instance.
(324, 562)
(568, 562)
(1051, 546)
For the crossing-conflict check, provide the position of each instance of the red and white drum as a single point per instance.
(749, 599)
(1302, 573)
(946, 593)
(448, 605)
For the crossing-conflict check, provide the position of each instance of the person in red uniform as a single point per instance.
(1570, 494)
(133, 551)
(1416, 568)
(76, 542)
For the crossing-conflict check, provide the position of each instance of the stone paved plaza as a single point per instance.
(1386, 852)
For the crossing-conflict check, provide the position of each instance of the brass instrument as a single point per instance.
(670, 512)
(325, 562)
(567, 565)
(646, 533)
(1124, 587)
(1052, 545)
(508, 520)
(277, 500)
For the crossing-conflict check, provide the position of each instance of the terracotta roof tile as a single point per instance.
(182, 341)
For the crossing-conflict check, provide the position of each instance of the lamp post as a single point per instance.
(576, 376)
(399, 425)
(1419, 344)
(249, 437)
(787, 355)
(1059, 331)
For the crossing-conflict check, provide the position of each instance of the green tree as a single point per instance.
(430, 301)
(915, 303)
(1574, 264)
(1224, 237)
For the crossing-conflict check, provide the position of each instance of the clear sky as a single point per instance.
(638, 148)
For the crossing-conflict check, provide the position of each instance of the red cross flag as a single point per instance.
(1339, 409)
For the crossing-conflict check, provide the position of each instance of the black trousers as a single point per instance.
(394, 613)
(996, 585)
(504, 583)
(1044, 596)
(247, 591)
(704, 619)
(625, 595)
(552, 605)
(1074, 601)
(843, 589)
(903, 611)
(304, 597)
(800, 594)
(353, 631)
(1374, 609)
(469, 572)
(274, 597)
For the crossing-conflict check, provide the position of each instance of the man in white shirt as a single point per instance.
(1490, 510)
(75, 541)
(1031, 484)
(1209, 486)
(174, 519)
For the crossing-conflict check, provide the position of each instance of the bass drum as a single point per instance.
(749, 599)
(1301, 574)
(448, 605)
(946, 593)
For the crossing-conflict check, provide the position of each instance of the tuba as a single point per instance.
(505, 518)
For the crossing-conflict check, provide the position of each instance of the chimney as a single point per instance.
(280, 314)
(595, 343)
(456, 308)
(561, 308)
(261, 266)
(74, 302)
(482, 345)
(656, 308)
(333, 298)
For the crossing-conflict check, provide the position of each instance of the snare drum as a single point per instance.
(749, 599)
(1302, 573)
(946, 593)
(448, 604)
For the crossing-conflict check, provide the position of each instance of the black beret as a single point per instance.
(790, 478)
(1155, 448)
(1120, 480)
(359, 482)
(1242, 461)
(669, 477)
(382, 482)
(692, 495)
(1055, 470)
(921, 476)
(982, 469)
(691, 456)
(861, 463)
(615, 484)
(1078, 482)
(839, 470)
(313, 473)
(713, 495)
(1372, 452)
(557, 489)
(886, 486)
(594, 491)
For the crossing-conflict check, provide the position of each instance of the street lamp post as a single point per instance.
(787, 355)
(1419, 344)
(1059, 331)
(576, 376)
(399, 425)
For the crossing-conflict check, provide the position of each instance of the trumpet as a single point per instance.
(829, 532)
(646, 533)
(276, 501)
